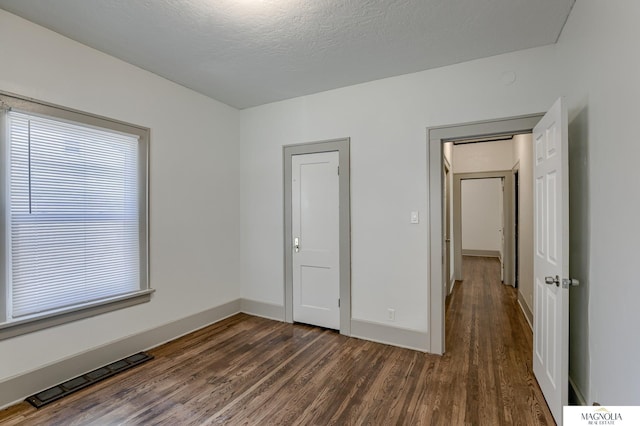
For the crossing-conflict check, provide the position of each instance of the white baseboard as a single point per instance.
(481, 253)
(360, 329)
(16, 389)
(525, 309)
(262, 309)
(382, 333)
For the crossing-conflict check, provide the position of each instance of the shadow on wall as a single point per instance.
(579, 251)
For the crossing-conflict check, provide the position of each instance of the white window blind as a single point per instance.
(73, 215)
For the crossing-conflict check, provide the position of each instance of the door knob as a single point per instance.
(566, 282)
(551, 280)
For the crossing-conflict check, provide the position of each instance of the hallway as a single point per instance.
(488, 359)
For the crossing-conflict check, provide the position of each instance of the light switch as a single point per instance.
(415, 217)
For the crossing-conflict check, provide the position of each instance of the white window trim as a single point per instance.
(50, 319)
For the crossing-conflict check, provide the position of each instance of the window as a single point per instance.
(74, 215)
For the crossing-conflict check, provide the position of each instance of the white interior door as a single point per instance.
(551, 258)
(315, 230)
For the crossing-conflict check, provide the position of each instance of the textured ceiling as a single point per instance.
(251, 52)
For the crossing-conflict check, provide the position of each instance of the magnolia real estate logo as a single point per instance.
(617, 416)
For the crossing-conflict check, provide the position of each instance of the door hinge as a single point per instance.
(338, 170)
(338, 303)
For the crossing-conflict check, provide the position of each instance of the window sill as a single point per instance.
(16, 328)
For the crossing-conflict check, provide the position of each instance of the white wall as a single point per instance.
(523, 154)
(386, 121)
(598, 55)
(193, 184)
(483, 157)
(482, 214)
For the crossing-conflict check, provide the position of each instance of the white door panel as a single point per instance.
(315, 224)
(551, 259)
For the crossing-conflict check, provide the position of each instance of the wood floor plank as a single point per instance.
(254, 371)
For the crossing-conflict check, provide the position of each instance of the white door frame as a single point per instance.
(342, 147)
(436, 136)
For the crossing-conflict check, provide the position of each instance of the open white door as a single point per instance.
(315, 230)
(551, 258)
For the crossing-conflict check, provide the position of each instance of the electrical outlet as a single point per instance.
(391, 314)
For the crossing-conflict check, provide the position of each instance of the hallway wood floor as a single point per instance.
(254, 371)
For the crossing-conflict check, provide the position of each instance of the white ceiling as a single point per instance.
(251, 52)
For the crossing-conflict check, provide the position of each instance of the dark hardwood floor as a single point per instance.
(253, 371)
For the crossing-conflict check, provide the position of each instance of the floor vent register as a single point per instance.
(63, 389)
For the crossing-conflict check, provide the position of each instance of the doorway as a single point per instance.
(318, 294)
(502, 249)
(314, 222)
(437, 137)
